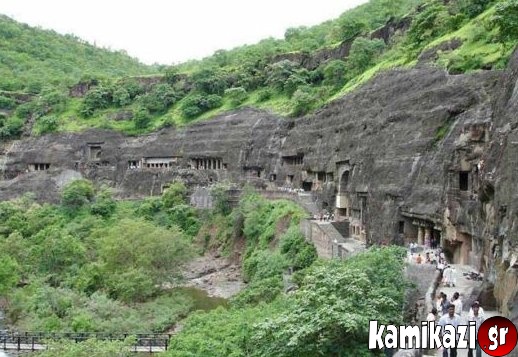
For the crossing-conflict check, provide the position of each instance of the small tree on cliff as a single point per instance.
(506, 19)
(77, 194)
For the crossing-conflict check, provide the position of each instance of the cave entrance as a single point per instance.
(306, 186)
(344, 180)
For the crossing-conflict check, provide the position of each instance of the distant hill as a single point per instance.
(31, 58)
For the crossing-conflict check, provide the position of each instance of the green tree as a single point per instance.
(104, 204)
(334, 73)
(197, 104)
(473, 8)
(351, 28)
(56, 251)
(279, 72)
(47, 124)
(9, 273)
(330, 313)
(121, 97)
(429, 24)
(77, 194)
(159, 98)
(98, 97)
(237, 95)
(506, 19)
(303, 100)
(175, 194)
(363, 54)
(209, 81)
(150, 254)
(141, 118)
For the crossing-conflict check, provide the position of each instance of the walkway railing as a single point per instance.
(35, 341)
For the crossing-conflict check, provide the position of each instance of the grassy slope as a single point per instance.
(31, 58)
(479, 50)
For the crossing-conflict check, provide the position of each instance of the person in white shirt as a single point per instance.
(450, 319)
(478, 316)
(457, 302)
(480, 310)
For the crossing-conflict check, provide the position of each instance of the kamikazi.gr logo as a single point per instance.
(497, 336)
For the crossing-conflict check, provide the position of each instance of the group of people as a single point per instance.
(290, 189)
(326, 217)
(450, 312)
(448, 272)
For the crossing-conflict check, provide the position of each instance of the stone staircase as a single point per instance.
(306, 200)
(331, 232)
(342, 227)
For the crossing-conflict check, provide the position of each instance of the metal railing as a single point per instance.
(34, 341)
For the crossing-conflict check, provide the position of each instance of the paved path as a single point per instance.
(465, 288)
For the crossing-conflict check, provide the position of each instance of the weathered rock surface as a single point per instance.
(412, 155)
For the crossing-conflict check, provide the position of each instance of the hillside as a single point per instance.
(292, 77)
(32, 58)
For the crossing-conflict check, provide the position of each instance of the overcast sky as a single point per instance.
(168, 31)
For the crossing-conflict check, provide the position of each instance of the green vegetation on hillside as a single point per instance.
(92, 264)
(328, 316)
(32, 58)
(459, 35)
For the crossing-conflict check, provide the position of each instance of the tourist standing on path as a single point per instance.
(444, 304)
(480, 309)
(454, 320)
(438, 302)
(478, 318)
(457, 302)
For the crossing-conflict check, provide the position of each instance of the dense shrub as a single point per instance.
(161, 97)
(197, 104)
(237, 95)
(6, 102)
(47, 124)
(104, 205)
(506, 19)
(209, 81)
(141, 118)
(363, 54)
(334, 73)
(303, 101)
(11, 127)
(121, 96)
(98, 97)
(264, 95)
(77, 194)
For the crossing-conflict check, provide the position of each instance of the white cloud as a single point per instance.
(173, 31)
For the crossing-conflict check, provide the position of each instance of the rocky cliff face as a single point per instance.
(414, 155)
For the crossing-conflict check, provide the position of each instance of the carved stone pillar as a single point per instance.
(427, 236)
(420, 235)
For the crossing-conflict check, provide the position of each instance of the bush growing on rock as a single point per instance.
(77, 194)
(141, 118)
(303, 101)
(99, 97)
(197, 104)
(237, 95)
(47, 124)
(104, 204)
